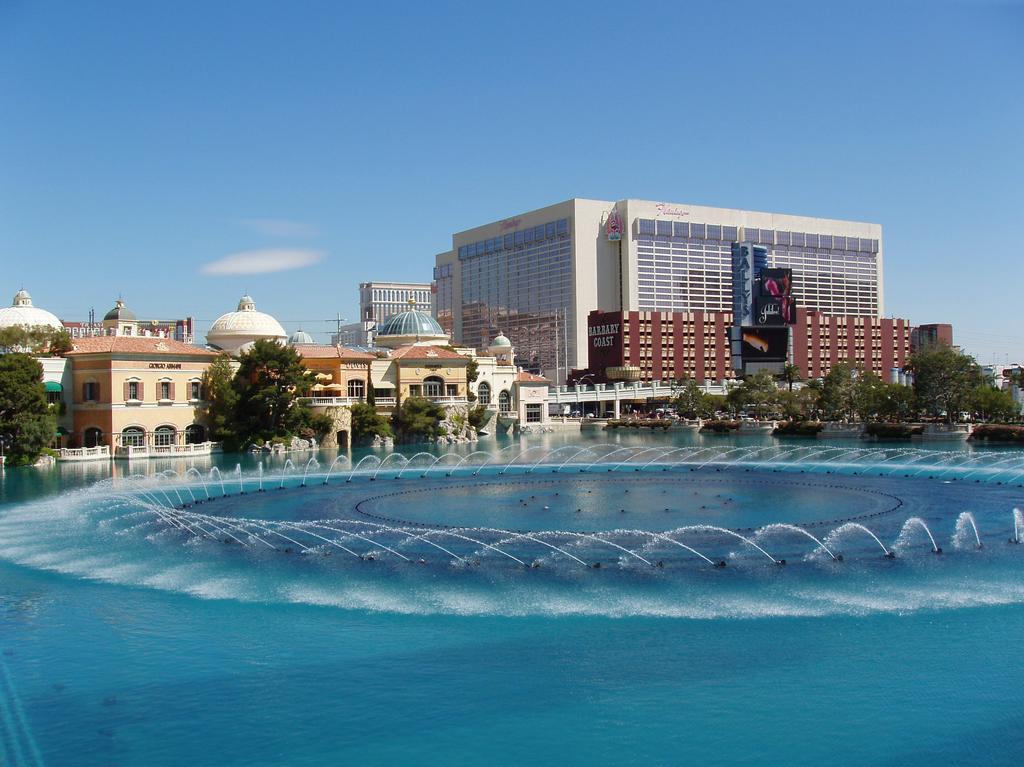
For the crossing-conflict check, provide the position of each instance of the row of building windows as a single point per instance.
(679, 276)
(518, 239)
(399, 295)
(134, 391)
(688, 229)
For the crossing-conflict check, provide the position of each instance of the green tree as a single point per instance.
(944, 379)
(477, 416)
(371, 394)
(417, 419)
(38, 340)
(994, 405)
(367, 423)
(220, 403)
(868, 394)
(898, 403)
(711, 404)
(27, 423)
(794, 404)
(758, 391)
(689, 399)
(269, 379)
(840, 393)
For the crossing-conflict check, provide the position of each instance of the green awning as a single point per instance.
(53, 386)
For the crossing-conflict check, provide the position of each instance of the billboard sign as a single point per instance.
(743, 283)
(604, 340)
(764, 344)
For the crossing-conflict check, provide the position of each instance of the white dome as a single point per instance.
(21, 312)
(241, 328)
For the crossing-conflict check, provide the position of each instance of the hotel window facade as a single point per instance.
(521, 284)
(686, 266)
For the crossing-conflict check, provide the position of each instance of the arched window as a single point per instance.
(483, 393)
(433, 386)
(195, 434)
(357, 388)
(133, 436)
(164, 436)
(504, 401)
(92, 437)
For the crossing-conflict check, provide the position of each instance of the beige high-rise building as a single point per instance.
(535, 276)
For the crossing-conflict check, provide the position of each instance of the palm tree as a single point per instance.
(790, 374)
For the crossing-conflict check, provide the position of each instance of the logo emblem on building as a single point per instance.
(613, 226)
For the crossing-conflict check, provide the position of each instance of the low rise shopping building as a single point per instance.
(137, 396)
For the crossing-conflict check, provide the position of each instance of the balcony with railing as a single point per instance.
(166, 451)
(98, 453)
(331, 401)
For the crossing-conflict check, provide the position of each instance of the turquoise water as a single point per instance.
(127, 640)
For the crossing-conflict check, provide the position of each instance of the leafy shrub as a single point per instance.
(367, 423)
(417, 419)
(892, 430)
(720, 426)
(998, 432)
(797, 428)
(477, 416)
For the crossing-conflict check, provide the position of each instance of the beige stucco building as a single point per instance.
(138, 396)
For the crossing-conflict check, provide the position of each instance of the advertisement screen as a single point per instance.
(775, 304)
(774, 311)
(764, 344)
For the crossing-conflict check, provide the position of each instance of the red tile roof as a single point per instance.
(136, 345)
(426, 352)
(318, 351)
(523, 377)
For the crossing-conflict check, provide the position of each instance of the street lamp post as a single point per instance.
(579, 381)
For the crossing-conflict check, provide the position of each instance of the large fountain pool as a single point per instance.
(568, 604)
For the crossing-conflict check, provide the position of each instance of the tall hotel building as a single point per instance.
(536, 276)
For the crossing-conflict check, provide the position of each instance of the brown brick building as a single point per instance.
(671, 345)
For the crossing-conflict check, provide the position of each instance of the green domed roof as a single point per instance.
(120, 312)
(500, 340)
(410, 323)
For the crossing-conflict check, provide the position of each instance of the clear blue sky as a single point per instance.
(140, 142)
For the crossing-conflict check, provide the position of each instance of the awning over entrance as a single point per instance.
(53, 386)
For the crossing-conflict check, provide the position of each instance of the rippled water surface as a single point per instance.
(350, 621)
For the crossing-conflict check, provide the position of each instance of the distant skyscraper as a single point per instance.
(380, 300)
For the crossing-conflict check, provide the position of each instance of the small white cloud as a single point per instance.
(263, 261)
(279, 227)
